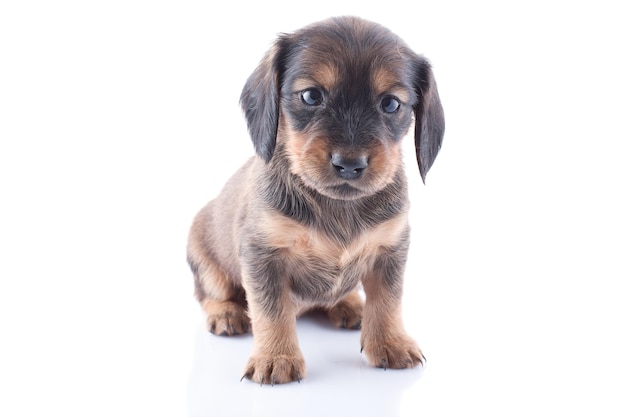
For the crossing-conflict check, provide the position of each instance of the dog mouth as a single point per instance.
(343, 191)
(337, 189)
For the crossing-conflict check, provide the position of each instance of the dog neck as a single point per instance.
(342, 220)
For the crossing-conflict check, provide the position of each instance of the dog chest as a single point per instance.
(317, 275)
(320, 269)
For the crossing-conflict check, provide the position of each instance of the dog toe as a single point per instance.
(396, 353)
(227, 319)
(280, 369)
(348, 313)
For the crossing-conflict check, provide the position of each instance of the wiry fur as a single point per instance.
(291, 231)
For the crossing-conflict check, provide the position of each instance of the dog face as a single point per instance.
(335, 99)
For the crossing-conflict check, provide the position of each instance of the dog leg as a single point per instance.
(348, 312)
(383, 339)
(221, 298)
(276, 357)
(223, 303)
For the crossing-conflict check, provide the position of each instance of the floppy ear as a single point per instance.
(260, 100)
(429, 119)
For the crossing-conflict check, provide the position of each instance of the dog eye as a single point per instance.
(390, 104)
(312, 97)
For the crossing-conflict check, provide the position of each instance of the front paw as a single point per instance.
(397, 352)
(278, 369)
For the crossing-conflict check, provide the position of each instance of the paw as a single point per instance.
(348, 313)
(393, 352)
(227, 318)
(278, 369)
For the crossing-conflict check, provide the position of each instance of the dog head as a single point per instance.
(335, 99)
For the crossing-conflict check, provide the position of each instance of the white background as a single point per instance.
(120, 119)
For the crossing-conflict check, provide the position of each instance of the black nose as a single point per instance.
(348, 168)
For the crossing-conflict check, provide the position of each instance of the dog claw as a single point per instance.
(246, 375)
(384, 364)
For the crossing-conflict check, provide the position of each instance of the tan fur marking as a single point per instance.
(327, 75)
(283, 232)
(324, 75)
(385, 159)
(386, 82)
(307, 155)
(293, 143)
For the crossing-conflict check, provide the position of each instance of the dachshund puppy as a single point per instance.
(322, 207)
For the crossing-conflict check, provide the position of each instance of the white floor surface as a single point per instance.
(338, 381)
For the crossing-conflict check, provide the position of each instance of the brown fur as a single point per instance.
(323, 206)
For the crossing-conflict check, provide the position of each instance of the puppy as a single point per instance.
(322, 208)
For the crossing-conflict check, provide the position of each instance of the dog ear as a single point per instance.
(260, 100)
(429, 118)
